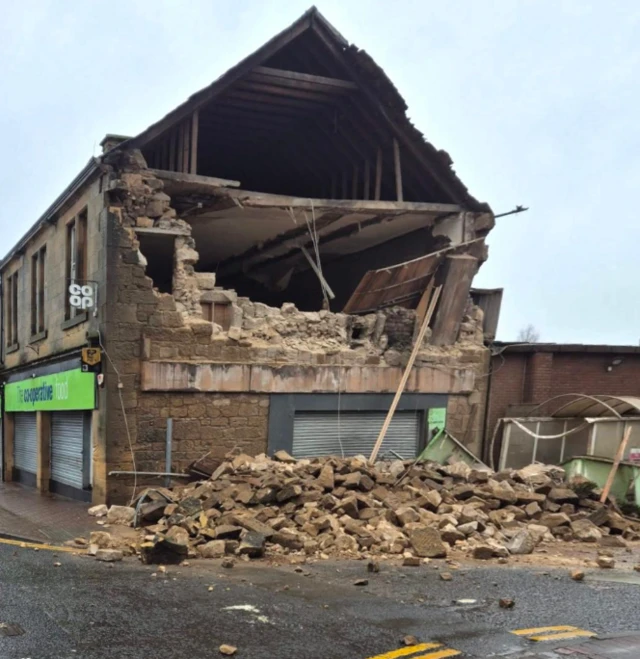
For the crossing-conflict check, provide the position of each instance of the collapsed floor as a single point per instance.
(379, 337)
(348, 508)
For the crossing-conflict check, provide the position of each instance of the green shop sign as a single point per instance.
(69, 390)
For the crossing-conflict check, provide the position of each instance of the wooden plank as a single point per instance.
(317, 98)
(378, 175)
(459, 270)
(304, 85)
(303, 77)
(421, 309)
(164, 164)
(397, 165)
(616, 463)
(266, 200)
(360, 288)
(179, 147)
(289, 106)
(319, 275)
(182, 177)
(172, 150)
(186, 144)
(193, 165)
(405, 376)
(162, 232)
(367, 179)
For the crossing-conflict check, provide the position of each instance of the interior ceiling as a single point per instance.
(221, 235)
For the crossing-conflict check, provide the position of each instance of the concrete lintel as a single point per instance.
(296, 378)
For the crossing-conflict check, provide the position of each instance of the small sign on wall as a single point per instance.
(436, 421)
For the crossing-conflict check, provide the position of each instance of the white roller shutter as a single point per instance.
(354, 433)
(25, 442)
(67, 443)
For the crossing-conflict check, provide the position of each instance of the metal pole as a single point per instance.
(167, 480)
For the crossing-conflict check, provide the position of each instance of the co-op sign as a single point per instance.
(69, 390)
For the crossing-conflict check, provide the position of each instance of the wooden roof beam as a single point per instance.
(302, 80)
(396, 132)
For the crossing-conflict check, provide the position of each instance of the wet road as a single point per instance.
(92, 610)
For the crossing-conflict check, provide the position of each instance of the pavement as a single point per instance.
(85, 609)
(26, 514)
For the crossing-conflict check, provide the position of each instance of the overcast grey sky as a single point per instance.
(537, 101)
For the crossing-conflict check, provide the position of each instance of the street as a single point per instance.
(84, 608)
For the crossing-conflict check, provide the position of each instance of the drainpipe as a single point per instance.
(486, 444)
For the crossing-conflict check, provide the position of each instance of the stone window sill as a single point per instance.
(40, 336)
(76, 320)
(14, 347)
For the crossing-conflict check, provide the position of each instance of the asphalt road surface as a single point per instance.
(90, 610)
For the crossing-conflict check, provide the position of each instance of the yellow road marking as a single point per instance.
(541, 630)
(36, 545)
(412, 649)
(441, 654)
(563, 636)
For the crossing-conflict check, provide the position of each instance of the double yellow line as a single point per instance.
(439, 652)
(39, 546)
(558, 633)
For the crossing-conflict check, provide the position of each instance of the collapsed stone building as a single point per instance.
(257, 265)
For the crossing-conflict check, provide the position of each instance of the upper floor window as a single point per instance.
(76, 258)
(11, 297)
(37, 291)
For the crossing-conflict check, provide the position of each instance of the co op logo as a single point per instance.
(44, 392)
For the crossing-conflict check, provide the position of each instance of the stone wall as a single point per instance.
(60, 335)
(145, 325)
(203, 424)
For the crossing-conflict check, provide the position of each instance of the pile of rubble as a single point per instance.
(347, 507)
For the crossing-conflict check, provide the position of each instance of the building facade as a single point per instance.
(248, 273)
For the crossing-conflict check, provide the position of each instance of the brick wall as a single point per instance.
(533, 377)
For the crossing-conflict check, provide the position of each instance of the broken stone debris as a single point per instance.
(109, 555)
(349, 508)
(99, 511)
(605, 562)
(123, 515)
(228, 650)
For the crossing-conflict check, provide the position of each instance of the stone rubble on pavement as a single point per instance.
(346, 507)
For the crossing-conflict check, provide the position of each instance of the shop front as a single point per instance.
(49, 440)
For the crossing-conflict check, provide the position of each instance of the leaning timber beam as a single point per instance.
(459, 270)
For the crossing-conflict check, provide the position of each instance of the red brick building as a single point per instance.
(523, 376)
